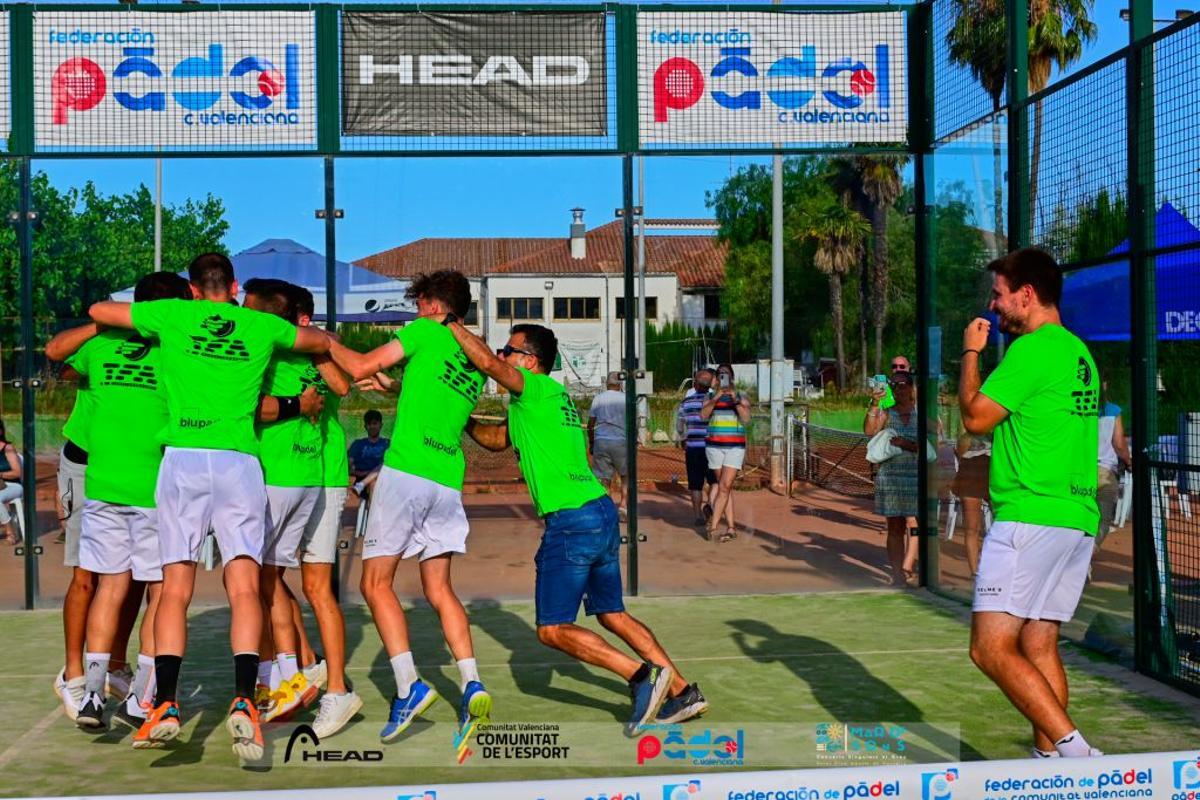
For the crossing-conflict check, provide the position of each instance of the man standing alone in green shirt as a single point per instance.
(578, 560)
(1041, 405)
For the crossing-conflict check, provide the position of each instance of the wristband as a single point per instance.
(969, 350)
(289, 407)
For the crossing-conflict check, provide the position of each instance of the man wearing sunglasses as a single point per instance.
(551, 445)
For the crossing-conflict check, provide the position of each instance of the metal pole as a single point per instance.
(777, 364)
(29, 472)
(631, 363)
(331, 288)
(641, 260)
(158, 183)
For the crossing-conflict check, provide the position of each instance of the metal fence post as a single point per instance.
(631, 370)
(1019, 213)
(29, 532)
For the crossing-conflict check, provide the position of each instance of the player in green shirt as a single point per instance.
(578, 560)
(416, 504)
(214, 355)
(1041, 404)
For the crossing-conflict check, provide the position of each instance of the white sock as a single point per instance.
(145, 668)
(264, 672)
(97, 670)
(468, 671)
(147, 697)
(1073, 745)
(1039, 753)
(359, 486)
(405, 671)
(288, 665)
(276, 676)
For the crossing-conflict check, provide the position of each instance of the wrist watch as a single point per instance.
(450, 317)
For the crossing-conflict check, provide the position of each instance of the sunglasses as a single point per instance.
(900, 365)
(508, 350)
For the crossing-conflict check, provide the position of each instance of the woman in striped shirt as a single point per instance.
(727, 413)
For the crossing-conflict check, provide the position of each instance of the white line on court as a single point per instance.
(31, 735)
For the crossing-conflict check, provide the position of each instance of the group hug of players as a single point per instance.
(196, 414)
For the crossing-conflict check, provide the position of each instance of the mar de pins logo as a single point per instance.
(217, 342)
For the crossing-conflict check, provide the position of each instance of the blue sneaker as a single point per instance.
(420, 697)
(688, 705)
(476, 707)
(648, 695)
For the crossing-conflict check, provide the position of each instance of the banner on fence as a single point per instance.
(183, 81)
(474, 74)
(5, 85)
(724, 78)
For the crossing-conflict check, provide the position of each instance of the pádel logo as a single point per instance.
(703, 749)
(1186, 777)
(681, 791)
(79, 84)
(939, 785)
(793, 82)
(876, 789)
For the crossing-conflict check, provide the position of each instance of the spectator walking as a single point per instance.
(896, 480)
(366, 454)
(607, 441)
(727, 412)
(694, 432)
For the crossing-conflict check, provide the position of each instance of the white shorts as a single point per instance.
(219, 490)
(289, 509)
(320, 540)
(70, 494)
(118, 539)
(725, 457)
(413, 516)
(1032, 571)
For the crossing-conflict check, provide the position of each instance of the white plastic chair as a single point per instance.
(18, 505)
(208, 551)
(1124, 501)
(364, 511)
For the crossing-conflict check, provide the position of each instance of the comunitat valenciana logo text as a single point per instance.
(195, 84)
(793, 82)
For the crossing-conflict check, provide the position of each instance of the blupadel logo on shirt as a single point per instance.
(463, 377)
(1087, 399)
(216, 342)
(126, 372)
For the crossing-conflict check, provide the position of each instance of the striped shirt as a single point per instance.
(725, 428)
(689, 414)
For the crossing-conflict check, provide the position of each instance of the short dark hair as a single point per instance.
(541, 341)
(302, 300)
(372, 415)
(211, 272)
(448, 285)
(1032, 267)
(276, 295)
(162, 286)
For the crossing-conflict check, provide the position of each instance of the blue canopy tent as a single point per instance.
(363, 295)
(1095, 303)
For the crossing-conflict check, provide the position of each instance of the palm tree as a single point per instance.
(882, 184)
(839, 233)
(1058, 30)
(978, 41)
(845, 179)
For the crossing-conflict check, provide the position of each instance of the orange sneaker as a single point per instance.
(161, 726)
(243, 726)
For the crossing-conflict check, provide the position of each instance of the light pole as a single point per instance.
(158, 215)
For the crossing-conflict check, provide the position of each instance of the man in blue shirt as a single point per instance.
(694, 431)
(366, 455)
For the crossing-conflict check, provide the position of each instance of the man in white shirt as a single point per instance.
(606, 439)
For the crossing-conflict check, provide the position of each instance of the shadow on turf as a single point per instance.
(838, 682)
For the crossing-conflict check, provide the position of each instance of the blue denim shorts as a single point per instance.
(579, 559)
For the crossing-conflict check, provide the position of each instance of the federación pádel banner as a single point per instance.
(198, 80)
(474, 74)
(723, 78)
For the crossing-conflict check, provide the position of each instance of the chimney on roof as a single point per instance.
(578, 235)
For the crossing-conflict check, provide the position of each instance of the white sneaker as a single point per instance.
(117, 683)
(334, 712)
(70, 693)
(317, 673)
(1094, 753)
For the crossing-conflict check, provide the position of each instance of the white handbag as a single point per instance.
(880, 448)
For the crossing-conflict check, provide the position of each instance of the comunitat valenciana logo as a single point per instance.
(1185, 777)
(197, 83)
(681, 791)
(939, 785)
(845, 83)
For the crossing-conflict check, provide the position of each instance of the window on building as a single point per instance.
(712, 306)
(519, 308)
(574, 308)
(472, 318)
(651, 308)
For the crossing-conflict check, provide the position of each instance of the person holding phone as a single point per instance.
(727, 412)
(896, 481)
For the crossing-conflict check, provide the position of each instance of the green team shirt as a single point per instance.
(1044, 454)
(336, 467)
(291, 450)
(79, 423)
(214, 356)
(439, 390)
(551, 445)
(129, 409)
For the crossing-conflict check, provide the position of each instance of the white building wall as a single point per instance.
(590, 348)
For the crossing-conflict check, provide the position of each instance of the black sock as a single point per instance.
(166, 675)
(245, 673)
(642, 673)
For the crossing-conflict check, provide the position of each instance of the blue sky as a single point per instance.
(389, 202)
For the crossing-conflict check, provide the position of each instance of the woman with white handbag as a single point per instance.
(894, 448)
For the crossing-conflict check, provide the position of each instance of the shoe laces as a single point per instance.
(325, 708)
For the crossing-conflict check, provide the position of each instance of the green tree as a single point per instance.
(882, 184)
(838, 234)
(1101, 223)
